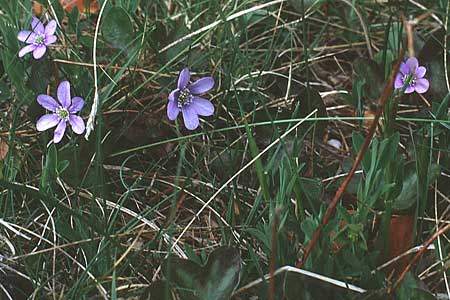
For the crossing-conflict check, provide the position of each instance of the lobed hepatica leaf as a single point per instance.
(117, 28)
(216, 280)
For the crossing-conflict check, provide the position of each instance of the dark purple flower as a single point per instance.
(183, 98)
(412, 75)
(62, 112)
(38, 39)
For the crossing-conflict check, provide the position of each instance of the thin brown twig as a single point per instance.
(332, 206)
(417, 256)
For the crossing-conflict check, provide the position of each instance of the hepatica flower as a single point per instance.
(184, 98)
(412, 75)
(62, 112)
(38, 39)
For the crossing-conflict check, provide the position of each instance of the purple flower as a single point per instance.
(62, 112)
(183, 98)
(38, 39)
(412, 75)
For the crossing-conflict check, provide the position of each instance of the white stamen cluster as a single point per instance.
(184, 98)
(63, 113)
(39, 40)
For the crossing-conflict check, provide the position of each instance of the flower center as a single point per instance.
(185, 97)
(63, 113)
(409, 79)
(39, 40)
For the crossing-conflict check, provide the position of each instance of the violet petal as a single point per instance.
(64, 93)
(39, 51)
(47, 121)
(27, 49)
(409, 89)
(202, 85)
(50, 40)
(48, 102)
(421, 85)
(77, 124)
(50, 28)
(172, 110)
(59, 132)
(26, 36)
(202, 106)
(404, 68)
(398, 83)
(413, 64)
(190, 117)
(77, 105)
(184, 78)
(172, 95)
(37, 26)
(420, 72)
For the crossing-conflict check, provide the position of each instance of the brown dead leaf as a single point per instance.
(3, 149)
(80, 4)
(400, 238)
(68, 5)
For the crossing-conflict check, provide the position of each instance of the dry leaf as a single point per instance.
(70, 4)
(3, 149)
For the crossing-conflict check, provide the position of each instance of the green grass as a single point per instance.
(97, 218)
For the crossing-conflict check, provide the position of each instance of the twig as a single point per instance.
(94, 108)
(332, 206)
(417, 256)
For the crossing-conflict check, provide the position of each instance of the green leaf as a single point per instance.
(41, 72)
(300, 7)
(5, 93)
(372, 75)
(216, 280)
(309, 100)
(49, 171)
(63, 165)
(408, 195)
(312, 189)
(117, 28)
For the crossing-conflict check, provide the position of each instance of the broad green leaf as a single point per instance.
(216, 280)
(408, 195)
(117, 28)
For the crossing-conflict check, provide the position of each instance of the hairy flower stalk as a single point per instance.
(63, 111)
(38, 39)
(184, 99)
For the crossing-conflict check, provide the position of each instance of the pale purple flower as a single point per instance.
(38, 39)
(61, 112)
(184, 99)
(411, 72)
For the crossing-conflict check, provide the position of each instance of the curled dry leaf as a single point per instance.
(68, 5)
(3, 149)
(80, 4)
